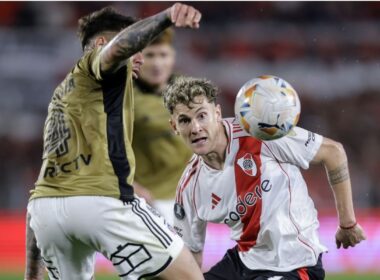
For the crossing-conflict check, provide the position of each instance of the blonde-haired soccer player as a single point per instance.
(255, 188)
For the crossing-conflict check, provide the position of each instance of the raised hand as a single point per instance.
(183, 15)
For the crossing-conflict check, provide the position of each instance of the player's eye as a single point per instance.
(163, 55)
(148, 55)
(184, 120)
(202, 115)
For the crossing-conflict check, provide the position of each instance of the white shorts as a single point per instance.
(69, 230)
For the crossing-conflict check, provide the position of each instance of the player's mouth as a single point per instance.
(199, 141)
(135, 71)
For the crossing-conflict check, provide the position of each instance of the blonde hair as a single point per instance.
(166, 37)
(183, 90)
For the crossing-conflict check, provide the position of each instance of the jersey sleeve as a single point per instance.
(298, 147)
(90, 64)
(186, 221)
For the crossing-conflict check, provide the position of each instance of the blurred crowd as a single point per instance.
(329, 52)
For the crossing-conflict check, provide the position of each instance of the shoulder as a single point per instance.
(297, 135)
(85, 62)
(89, 64)
(234, 129)
(187, 180)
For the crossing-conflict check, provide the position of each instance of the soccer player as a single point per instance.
(83, 200)
(160, 155)
(256, 188)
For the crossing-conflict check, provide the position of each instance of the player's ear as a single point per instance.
(173, 126)
(218, 111)
(100, 41)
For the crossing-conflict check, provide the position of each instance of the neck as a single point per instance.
(159, 88)
(151, 89)
(216, 158)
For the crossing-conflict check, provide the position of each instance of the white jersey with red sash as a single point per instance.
(260, 194)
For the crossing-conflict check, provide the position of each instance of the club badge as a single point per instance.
(247, 164)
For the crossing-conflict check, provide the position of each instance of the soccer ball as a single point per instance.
(267, 107)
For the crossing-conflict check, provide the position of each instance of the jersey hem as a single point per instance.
(77, 194)
(285, 269)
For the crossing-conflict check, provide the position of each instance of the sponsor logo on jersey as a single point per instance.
(178, 231)
(247, 164)
(248, 200)
(52, 170)
(310, 137)
(214, 200)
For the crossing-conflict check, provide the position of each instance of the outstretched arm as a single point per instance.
(333, 156)
(34, 266)
(134, 38)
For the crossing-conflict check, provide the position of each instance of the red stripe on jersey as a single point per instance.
(185, 185)
(195, 185)
(302, 273)
(248, 190)
(185, 181)
(229, 136)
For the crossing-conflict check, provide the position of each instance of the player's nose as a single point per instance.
(195, 126)
(138, 59)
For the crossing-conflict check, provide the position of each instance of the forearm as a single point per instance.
(133, 39)
(34, 266)
(333, 156)
(340, 183)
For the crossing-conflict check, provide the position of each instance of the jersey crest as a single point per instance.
(247, 164)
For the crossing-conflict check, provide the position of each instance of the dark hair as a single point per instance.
(184, 90)
(106, 19)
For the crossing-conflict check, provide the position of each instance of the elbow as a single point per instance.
(113, 56)
(338, 150)
(335, 154)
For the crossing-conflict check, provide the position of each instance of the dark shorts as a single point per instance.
(232, 268)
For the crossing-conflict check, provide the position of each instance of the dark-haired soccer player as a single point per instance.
(255, 188)
(83, 201)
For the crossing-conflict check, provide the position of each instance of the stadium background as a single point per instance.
(328, 51)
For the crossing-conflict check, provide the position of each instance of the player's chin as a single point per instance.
(200, 149)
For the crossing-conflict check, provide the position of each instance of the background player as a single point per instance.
(256, 188)
(161, 156)
(83, 201)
